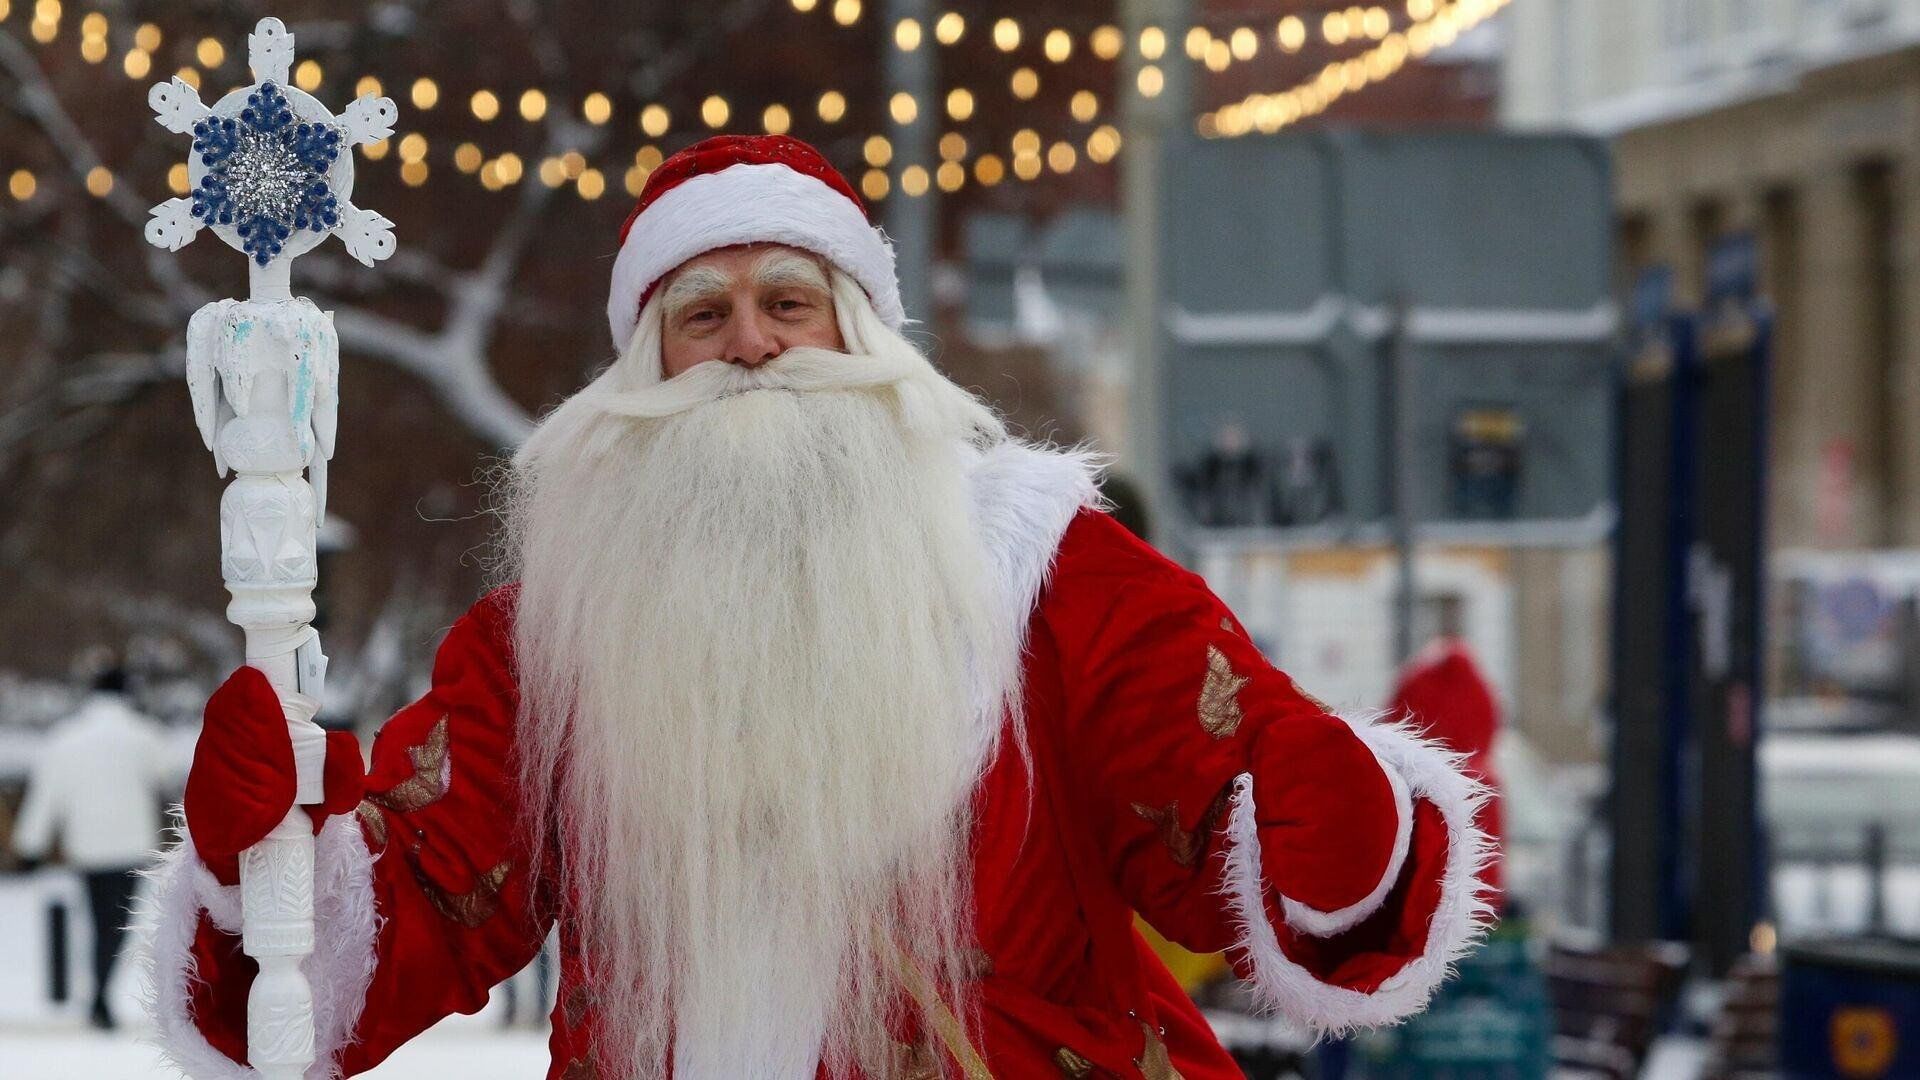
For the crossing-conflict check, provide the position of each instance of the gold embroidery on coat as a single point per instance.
(469, 908)
(1219, 695)
(1185, 847)
(1227, 625)
(430, 777)
(940, 1017)
(1154, 1062)
(1166, 821)
(374, 820)
(1072, 1064)
(580, 1069)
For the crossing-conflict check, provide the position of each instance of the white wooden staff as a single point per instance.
(271, 172)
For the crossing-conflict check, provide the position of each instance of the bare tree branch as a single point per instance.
(452, 361)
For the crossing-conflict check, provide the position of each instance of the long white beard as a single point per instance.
(751, 637)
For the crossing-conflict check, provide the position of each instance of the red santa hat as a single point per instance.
(746, 189)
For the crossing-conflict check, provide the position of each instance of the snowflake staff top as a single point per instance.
(267, 171)
(265, 174)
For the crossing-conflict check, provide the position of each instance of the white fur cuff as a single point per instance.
(339, 969)
(1420, 769)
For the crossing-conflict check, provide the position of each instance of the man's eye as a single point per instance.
(790, 304)
(707, 315)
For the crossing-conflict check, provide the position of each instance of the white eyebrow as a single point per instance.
(692, 285)
(781, 268)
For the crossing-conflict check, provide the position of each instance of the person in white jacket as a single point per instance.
(98, 787)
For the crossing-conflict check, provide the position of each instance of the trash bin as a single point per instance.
(1850, 1009)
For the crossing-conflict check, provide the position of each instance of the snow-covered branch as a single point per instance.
(454, 360)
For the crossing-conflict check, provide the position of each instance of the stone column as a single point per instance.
(1904, 381)
(1782, 269)
(1830, 483)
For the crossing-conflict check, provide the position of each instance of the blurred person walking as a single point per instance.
(97, 787)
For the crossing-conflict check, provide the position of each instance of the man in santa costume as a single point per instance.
(839, 732)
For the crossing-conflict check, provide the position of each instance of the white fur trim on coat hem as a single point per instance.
(750, 204)
(1458, 923)
(340, 968)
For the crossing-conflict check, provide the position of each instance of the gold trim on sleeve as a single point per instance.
(1219, 705)
(431, 775)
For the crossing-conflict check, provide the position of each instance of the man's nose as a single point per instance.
(753, 342)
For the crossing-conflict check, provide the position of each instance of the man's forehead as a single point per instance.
(738, 259)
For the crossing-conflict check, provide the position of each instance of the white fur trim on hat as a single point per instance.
(749, 204)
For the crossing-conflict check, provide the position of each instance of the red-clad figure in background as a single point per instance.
(1450, 700)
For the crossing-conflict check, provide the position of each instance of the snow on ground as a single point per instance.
(474, 1051)
(41, 1040)
(1675, 1058)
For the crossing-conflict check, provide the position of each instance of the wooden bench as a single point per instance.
(1609, 1003)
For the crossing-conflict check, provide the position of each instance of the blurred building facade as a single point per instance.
(1795, 122)
(1786, 132)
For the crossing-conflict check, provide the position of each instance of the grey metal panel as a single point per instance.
(1080, 253)
(1247, 224)
(1082, 239)
(1502, 235)
(1299, 391)
(1476, 219)
(994, 244)
(1564, 397)
(989, 238)
(1277, 395)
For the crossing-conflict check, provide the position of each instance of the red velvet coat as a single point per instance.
(1175, 773)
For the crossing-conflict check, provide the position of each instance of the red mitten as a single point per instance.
(242, 782)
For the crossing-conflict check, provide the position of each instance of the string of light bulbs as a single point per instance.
(1434, 23)
(1202, 44)
(1443, 22)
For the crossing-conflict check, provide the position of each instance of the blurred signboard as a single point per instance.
(1849, 658)
(1294, 263)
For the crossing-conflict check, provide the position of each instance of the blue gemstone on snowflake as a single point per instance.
(266, 173)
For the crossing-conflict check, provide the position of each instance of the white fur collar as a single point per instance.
(1024, 496)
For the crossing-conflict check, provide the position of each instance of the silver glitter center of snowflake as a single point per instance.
(265, 177)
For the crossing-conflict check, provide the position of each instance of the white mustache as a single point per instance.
(803, 368)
